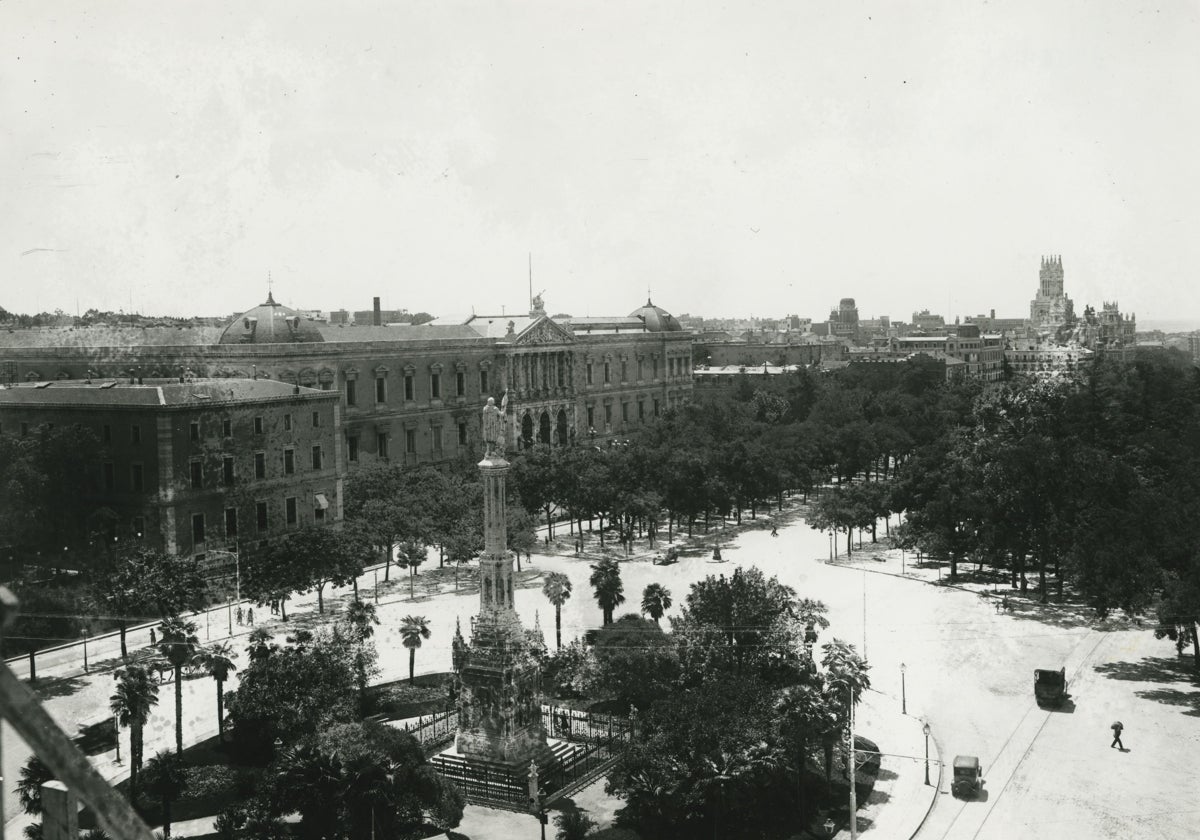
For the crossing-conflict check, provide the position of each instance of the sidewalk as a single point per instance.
(901, 800)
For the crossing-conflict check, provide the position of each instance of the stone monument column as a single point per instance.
(498, 674)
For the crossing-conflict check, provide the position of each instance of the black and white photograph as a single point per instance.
(614, 420)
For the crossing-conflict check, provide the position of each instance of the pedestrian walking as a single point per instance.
(774, 530)
(153, 638)
(238, 614)
(250, 616)
(1116, 728)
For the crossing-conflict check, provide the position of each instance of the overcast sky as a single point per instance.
(747, 158)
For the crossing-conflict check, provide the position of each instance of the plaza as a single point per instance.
(968, 673)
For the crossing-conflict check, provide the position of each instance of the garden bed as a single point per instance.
(426, 695)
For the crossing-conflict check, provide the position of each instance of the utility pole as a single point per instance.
(853, 771)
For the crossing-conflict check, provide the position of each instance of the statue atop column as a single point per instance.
(494, 427)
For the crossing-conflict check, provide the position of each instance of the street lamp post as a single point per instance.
(376, 570)
(902, 561)
(85, 656)
(925, 729)
(117, 729)
(831, 546)
(903, 693)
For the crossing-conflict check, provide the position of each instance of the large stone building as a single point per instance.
(408, 393)
(1050, 307)
(196, 467)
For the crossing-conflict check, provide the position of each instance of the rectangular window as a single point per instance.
(197, 474)
(351, 392)
(462, 434)
(316, 457)
(107, 431)
(258, 426)
(639, 368)
(319, 513)
(287, 422)
(198, 528)
(380, 390)
(326, 386)
(135, 434)
(460, 384)
(410, 441)
(352, 448)
(260, 465)
(656, 408)
(260, 514)
(409, 389)
(289, 508)
(607, 371)
(194, 431)
(591, 417)
(227, 427)
(230, 523)
(381, 444)
(483, 381)
(227, 470)
(624, 412)
(139, 527)
(641, 409)
(607, 416)
(437, 439)
(316, 419)
(588, 373)
(289, 461)
(435, 386)
(109, 479)
(137, 480)
(624, 370)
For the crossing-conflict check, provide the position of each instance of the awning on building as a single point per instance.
(322, 502)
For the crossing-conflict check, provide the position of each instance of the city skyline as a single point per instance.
(758, 163)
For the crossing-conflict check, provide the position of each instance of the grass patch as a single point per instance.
(426, 695)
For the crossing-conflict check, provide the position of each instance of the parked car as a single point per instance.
(1050, 687)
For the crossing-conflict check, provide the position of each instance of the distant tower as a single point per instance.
(1051, 308)
(1051, 277)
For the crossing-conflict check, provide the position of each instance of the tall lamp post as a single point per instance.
(925, 729)
(85, 658)
(903, 693)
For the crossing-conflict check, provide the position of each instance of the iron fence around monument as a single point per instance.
(586, 744)
(433, 731)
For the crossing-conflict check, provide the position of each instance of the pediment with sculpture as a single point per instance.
(544, 331)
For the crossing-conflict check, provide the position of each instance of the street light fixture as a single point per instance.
(85, 656)
(903, 693)
(925, 729)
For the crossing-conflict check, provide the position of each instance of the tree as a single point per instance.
(34, 774)
(359, 621)
(635, 661)
(136, 695)
(413, 629)
(557, 589)
(656, 600)
(178, 642)
(217, 661)
(165, 780)
(606, 583)
(141, 581)
(573, 825)
(290, 691)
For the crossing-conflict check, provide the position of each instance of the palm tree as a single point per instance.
(217, 660)
(413, 628)
(360, 615)
(34, 774)
(803, 714)
(259, 649)
(311, 781)
(165, 781)
(573, 825)
(656, 600)
(557, 589)
(606, 582)
(135, 696)
(178, 642)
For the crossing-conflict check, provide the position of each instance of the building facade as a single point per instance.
(408, 393)
(200, 467)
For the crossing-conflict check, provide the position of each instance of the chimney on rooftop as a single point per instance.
(377, 318)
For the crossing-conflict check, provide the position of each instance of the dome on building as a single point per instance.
(271, 323)
(656, 318)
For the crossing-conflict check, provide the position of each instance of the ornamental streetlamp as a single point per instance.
(85, 657)
(903, 694)
(925, 729)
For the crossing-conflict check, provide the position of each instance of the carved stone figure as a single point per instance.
(494, 426)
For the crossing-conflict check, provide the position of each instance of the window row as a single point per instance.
(383, 442)
(410, 386)
(676, 366)
(262, 518)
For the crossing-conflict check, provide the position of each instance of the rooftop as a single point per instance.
(160, 392)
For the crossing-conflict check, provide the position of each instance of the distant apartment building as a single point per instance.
(927, 322)
(197, 467)
(968, 352)
(1039, 360)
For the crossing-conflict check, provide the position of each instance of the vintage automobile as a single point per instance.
(1050, 687)
(968, 776)
(672, 556)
